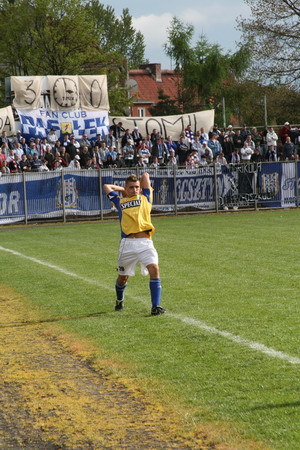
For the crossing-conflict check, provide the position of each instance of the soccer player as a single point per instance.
(136, 245)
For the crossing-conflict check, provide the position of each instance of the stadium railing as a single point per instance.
(71, 195)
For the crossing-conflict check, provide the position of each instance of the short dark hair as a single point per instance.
(131, 179)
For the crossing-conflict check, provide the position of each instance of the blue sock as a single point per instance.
(120, 291)
(155, 289)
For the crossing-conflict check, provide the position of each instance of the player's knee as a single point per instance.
(122, 279)
(153, 270)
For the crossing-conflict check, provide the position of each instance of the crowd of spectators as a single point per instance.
(128, 148)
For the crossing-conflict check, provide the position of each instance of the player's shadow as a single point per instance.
(27, 323)
(278, 405)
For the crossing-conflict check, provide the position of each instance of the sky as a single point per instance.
(216, 19)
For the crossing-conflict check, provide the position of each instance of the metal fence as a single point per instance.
(77, 195)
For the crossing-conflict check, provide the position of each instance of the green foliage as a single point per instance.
(273, 31)
(245, 104)
(117, 34)
(204, 68)
(165, 106)
(43, 37)
(178, 47)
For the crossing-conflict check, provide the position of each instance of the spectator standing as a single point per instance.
(103, 151)
(244, 132)
(235, 157)
(189, 134)
(283, 132)
(257, 138)
(214, 144)
(288, 149)
(271, 153)
(51, 137)
(129, 153)
(182, 150)
(203, 135)
(111, 152)
(18, 150)
(256, 157)
(35, 163)
(66, 140)
(136, 136)
(196, 145)
(126, 137)
(159, 150)
(230, 133)
(72, 149)
(118, 130)
(272, 138)
(110, 139)
(227, 148)
(84, 142)
(144, 152)
(246, 153)
(84, 156)
(238, 140)
(5, 140)
(250, 142)
(49, 157)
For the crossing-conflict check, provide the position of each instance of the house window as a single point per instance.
(141, 112)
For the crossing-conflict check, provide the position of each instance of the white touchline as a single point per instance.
(187, 320)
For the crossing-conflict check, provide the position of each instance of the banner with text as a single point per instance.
(7, 121)
(38, 123)
(60, 92)
(168, 125)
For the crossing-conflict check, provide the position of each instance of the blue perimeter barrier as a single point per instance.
(70, 194)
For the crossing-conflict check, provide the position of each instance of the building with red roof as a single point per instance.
(145, 84)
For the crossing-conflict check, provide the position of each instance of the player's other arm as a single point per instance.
(145, 181)
(108, 188)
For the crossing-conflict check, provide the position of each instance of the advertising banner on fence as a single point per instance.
(38, 123)
(77, 193)
(168, 125)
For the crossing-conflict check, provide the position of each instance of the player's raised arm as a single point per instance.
(145, 181)
(108, 188)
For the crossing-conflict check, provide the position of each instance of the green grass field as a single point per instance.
(227, 351)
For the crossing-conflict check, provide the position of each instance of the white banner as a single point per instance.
(168, 125)
(7, 121)
(93, 92)
(27, 92)
(64, 92)
(38, 123)
(60, 93)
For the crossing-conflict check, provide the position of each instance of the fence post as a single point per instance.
(25, 199)
(296, 183)
(63, 195)
(255, 174)
(101, 194)
(175, 189)
(216, 188)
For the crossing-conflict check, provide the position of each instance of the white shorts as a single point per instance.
(133, 251)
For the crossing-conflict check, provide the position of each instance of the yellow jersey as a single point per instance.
(134, 212)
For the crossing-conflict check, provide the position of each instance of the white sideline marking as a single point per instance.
(52, 266)
(187, 320)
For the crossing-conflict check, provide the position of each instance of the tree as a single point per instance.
(45, 37)
(165, 106)
(117, 34)
(42, 37)
(203, 69)
(273, 33)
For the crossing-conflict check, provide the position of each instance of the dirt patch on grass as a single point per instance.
(51, 398)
